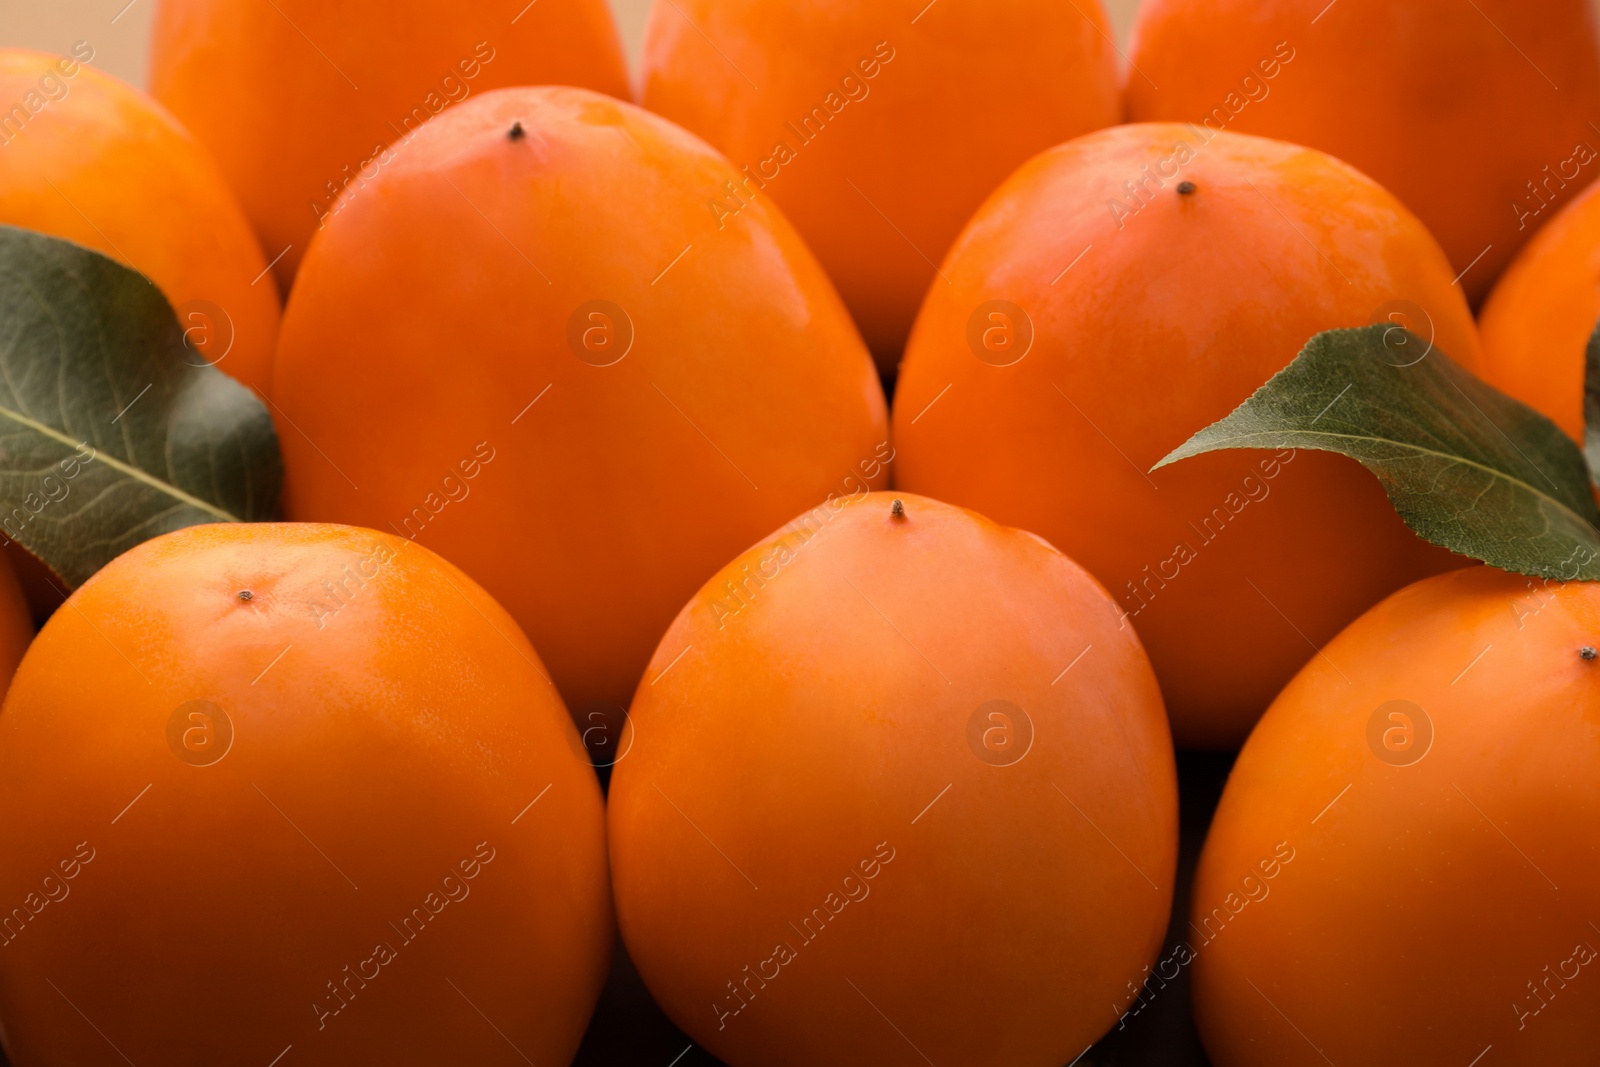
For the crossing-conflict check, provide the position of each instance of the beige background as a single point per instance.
(118, 28)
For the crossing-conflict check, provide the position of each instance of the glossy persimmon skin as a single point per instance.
(103, 165)
(1537, 323)
(380, 740)
(1424, 893)
(1501, 89)
(939, 110)
(809, 716)
(433, 332)
(290, 93)
(1146, 328)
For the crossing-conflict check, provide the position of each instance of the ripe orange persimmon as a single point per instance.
(274, 785)
(900, 790)
(1477, 115)
(1537, 323)
(530, 349)
(1403, 868)
(1079, 340)
(95, 161)
(878, 130)
(300, 99)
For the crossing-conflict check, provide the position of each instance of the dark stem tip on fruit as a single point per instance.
(1185, 188)
(516, 133)
(1588, 653)
(245, 594)
(898, 509)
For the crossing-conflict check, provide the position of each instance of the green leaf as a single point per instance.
(1466, 466)
(112, 430)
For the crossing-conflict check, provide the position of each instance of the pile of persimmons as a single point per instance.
(473, 550)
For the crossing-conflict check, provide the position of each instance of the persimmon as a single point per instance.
(1476, 115)
(878, 129)
(294, 786)
(302, 100)
(95, 161)
(900, 791)
(1403, 868)
(530, 349)
(1084, 332)
(1537, 323)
